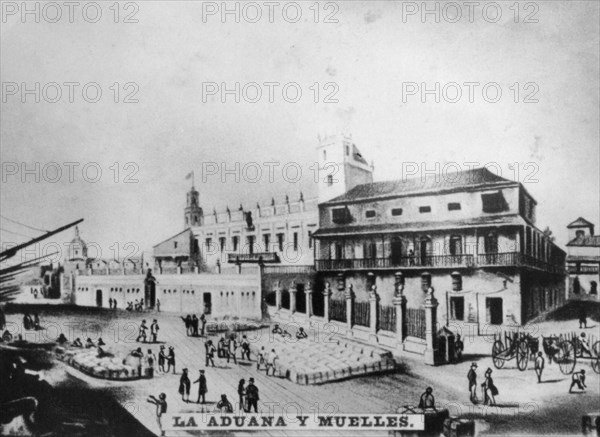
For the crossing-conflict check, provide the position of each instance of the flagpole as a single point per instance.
(192, 178)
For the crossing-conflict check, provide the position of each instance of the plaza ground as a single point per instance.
(524, 406)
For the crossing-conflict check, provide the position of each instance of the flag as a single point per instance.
(189, 175)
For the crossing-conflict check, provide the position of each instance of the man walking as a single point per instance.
(539, 366)
(210, 353)
(202, 387)
(142, 332)
(252, 397)
(232, 347)
(272, 361)
(154, 331)
(472, 377)
(260, 359)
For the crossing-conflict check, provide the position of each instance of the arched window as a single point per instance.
(576, 285)
(594, 288)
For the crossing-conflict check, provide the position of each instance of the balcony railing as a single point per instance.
(439, 261)
(267, 257)
(389, 263)
(583, 269)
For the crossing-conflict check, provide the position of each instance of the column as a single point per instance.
(277, 296)
(373, 298)
(293, 291)
(399, 302)
(431, 304)
(349, 296)
(308, 297)
(326, 297)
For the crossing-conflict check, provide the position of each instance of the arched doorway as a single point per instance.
(396, 250)
(99, 298)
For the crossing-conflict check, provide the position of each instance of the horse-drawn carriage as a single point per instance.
(564, 350)
(518, 346)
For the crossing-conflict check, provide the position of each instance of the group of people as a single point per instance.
(488, 388)
(142, 336)
(248, 395)
(138, 305)
(300, 333)
(194, 326)
(164, 363)
(31, 322)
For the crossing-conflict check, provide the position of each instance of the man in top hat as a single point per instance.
(162, 359)
(252, 397)
(472, 377)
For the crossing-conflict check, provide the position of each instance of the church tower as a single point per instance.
(341, 166)
(193, 212)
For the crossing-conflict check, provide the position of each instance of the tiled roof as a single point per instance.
(503, 220)
(579, 223)
(430, 182)
(586, 240)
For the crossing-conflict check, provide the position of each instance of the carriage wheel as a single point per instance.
(596, 357)
(522, 355)
(565, 357)
(497, 349)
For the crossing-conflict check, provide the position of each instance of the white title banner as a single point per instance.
(249, 422)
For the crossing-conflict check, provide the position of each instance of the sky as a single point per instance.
(162, 68)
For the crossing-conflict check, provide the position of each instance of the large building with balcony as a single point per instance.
(583, 261)
(470, 235)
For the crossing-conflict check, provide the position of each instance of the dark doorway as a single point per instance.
(300, 299)
(285, 299)
(396, 251)
(150, 294)
(99, 298)
(339, 253)
(494, 310)
(271, 298)
(455, 245)
(424, 247)
(318, 303)
(207, 299)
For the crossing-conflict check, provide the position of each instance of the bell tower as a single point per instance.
(341, 166)
(193, 212)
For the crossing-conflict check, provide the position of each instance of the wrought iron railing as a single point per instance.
(361, 313)
(415, 322)
(337, 310)
(387, 318)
